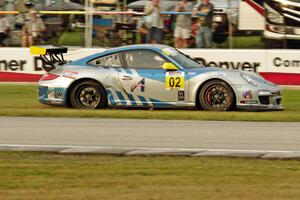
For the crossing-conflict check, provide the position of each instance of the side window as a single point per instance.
(112, 60)
(143, 59)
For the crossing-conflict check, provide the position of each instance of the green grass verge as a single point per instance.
(22, 100)
(54, 176)
(243, 42)
(74, 38)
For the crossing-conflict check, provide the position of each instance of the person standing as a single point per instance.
(142, 30)
(32, 29)
(204, 37)
(183, 24)
(4, 29)
(154, 22)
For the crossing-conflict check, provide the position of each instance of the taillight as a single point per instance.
(49, 77)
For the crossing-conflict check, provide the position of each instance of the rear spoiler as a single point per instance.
(51, 56)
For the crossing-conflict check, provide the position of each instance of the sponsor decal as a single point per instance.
(141, 84)
(247, 95)
(175, 80)
(70, 74)
(16, 65)
(251, 101)
(58, 93)
(38, 64)
(248, 66)
(248, 98)
(218, 74)
(279, 62)
(50, 94)
(55, 102)
(181, 96)
(12, 65)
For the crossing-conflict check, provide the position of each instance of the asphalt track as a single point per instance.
(125, 133)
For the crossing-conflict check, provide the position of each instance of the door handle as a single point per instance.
(126, 78)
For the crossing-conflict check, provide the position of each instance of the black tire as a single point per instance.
(88, 95)
(216, 95)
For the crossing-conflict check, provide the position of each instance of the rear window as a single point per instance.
(112, 60)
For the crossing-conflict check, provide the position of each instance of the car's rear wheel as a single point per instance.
(216, 95)
(88, 95)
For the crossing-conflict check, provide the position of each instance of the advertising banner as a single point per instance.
(279, 66)
(17, 65)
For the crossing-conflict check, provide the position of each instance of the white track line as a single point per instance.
(143, 148)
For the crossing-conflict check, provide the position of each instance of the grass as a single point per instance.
(22, 100)
(243, 42)
(55, 176)
(74, 38)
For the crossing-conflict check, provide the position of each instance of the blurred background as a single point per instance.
(242, 24)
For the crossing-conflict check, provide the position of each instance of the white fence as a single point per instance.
(278, 66)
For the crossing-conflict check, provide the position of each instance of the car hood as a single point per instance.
(228, 74)
(201, 70)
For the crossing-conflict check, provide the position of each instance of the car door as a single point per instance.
(147, 83)
(109, 67)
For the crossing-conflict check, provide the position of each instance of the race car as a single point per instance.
(149, 76)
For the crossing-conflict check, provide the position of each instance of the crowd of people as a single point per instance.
(32, 26)
(151, 27)
(4, 29)
(201, 28)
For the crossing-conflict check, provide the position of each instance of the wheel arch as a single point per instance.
(197, 102)
(74, 83)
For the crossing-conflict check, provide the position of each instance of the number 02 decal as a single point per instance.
(175, 80)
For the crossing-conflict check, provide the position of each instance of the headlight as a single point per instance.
(264, 93)
(273, 15)
(248, 79)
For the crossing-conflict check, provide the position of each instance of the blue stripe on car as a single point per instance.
(121, 98)
(143, 100)
(154, 74)
(132, 100)
(159, 103)
(110, 97)
(43, 92)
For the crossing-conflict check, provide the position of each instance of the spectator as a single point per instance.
(32, 29)
(4, 29)
(183, 24)
(142, 30)
(204, 37)
(154, 22)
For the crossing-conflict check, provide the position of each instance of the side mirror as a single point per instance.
(169, 66)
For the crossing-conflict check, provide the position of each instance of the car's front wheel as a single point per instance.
(88, 95)
(216, 95)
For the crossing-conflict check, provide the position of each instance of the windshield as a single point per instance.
(183, 60)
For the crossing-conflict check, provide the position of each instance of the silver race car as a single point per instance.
(149, 76)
